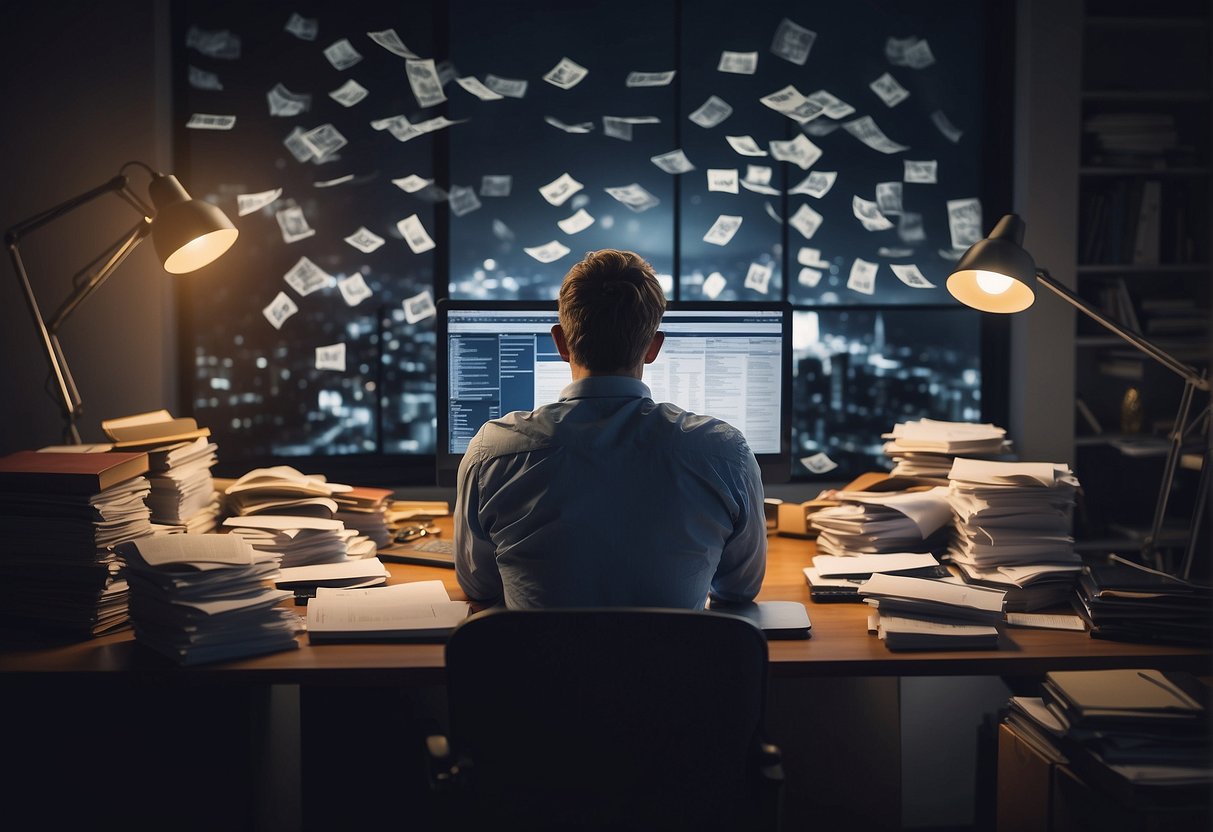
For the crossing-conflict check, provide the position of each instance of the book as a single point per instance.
(157, 427)
(69, 473)
(416, 611)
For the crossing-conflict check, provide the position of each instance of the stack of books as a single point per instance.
(207, 597)
(926, 447)
(282, 490)
(1012, 530)
(61, 515)
(875, 522)
(1125, 601)
(932, 614)
(180, 459)
(1140, 734)
(365, 510)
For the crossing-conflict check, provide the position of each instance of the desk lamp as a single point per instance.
(187, 234)
(996, 274)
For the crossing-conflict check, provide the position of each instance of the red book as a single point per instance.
(67, 472)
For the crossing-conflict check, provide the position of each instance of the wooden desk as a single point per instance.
(840, 646)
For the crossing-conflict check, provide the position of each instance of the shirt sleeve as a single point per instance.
(743, 563)
(475, 554)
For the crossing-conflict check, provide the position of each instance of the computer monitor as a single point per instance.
(730, 361)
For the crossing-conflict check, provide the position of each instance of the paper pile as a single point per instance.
(880, 521)
(925, 614)
(926, 447)
(416, 611)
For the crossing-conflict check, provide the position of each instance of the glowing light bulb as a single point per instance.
(993, 283)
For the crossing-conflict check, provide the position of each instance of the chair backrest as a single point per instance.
(608, 718)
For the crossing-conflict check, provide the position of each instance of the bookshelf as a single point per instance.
(1143, 248)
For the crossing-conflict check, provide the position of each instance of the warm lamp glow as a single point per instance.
(200, 251)
(993, 283)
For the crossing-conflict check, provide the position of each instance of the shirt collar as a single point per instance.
(598, 387)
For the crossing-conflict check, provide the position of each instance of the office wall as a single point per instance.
(85, 89)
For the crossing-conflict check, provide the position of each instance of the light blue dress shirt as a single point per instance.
(607, 498)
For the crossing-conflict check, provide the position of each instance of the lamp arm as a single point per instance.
(117, 253)
(16, 232)
(1190, 374)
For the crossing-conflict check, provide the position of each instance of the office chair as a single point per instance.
(595, 719)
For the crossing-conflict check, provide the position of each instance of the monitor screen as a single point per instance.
(731, 362)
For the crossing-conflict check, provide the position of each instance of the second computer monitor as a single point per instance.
(731, 361)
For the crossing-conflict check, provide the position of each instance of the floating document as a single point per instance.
(757, 178)
(210, 121)
(806, 221)
(758, 277)
(711, 112)
(220, 44)
(293, 224)
(919, 56)
(509, 87)
(446, 72)
(620, 127)
(925, 172)
(894, 252)
(890, 92)
(354, 289)
(739, 63)
(323, 141)
(964, 222)
(283, 102)
(817, 184)
(297, 147)
(423, 78)
(365, 240)
(249, 203)
(560, 189)
(304, 28)
(566, 74)
(949, 130)
(888, 197)
(634, 196)
(867, 212)
(491, 185)
(831, 105)
(819, 127)
(200, 79)
(799, 151)
(473, 85)
(649, 79)
(863, 277)
(911, 276)
(745, 145)
(811, 257)
(723, 180)
(306, 277)
(912, 52)
(576, 223)
(342, 54)
(391, 41)
(412, 183)
(548, 252)
(673, 162)
(463, 200)
(349, 93)
(792, 104)
(865, 129)
(713, 285)
(910, 228)
(818, 463)
(340, 180)
(792, 42)
(419, 307)
(772, 213)
(502, 231)
(414, 234)
(436, 123)
(331, 357)
(583, 127)
(722, 230)
(809, 277)
(280, 308)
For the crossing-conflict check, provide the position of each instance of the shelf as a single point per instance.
(1145, 95)
(1142, 268)
(1195, 172)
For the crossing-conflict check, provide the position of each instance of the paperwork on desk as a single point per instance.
(872, 522)
(360, 572)
(922, 614)
(301, 541)
(416, 611)
(926, 447)
(205, 597)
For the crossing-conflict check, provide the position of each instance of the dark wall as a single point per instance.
(85, 89)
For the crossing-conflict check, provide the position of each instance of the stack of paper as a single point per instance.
(1012, 529)
(1125, 601)
(206, 597)
(834, 578)
(61, 515)
(924, 614)
(417, 611)
(283, 490)
(871, 522)
(305, 580)
(180, 458)
(926, 447)
(300, 541)
(365, 509)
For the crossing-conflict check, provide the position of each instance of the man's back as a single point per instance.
(606, 498)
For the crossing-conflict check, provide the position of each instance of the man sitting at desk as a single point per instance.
(607, 498)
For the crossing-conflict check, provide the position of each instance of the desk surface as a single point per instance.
(840, 646)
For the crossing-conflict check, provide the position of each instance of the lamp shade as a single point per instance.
(187, 233)
(996, 274)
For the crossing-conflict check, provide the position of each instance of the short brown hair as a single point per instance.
(610, 307)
